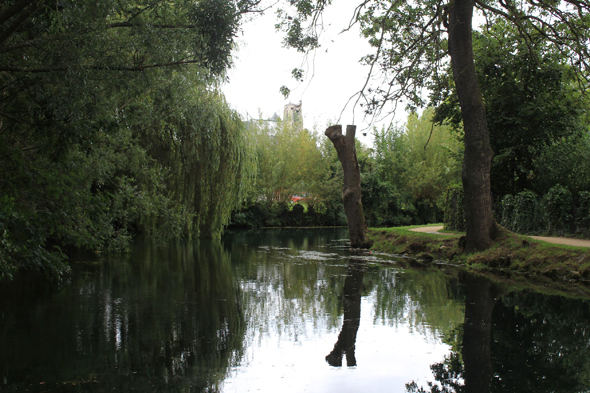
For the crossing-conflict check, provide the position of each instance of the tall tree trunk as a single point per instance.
(351, 192)
(480, 225)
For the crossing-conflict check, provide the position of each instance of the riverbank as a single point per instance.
(511, 253)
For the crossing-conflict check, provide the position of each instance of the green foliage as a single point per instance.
(383, 204)
(557, 206)
(582, 220)
(24, 244)
(291, 161)
(508, 207)
(454, 215)
(413, 166)
(565, 161)
(531, 103)
(105, 132)
(520, 213)
(204, 147)
(412, 41)
(556, 213)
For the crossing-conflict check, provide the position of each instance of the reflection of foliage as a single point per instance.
(449, 372)
(427, 301)
(423, 300)
(138, 324)
(281, 295)
(540, 344)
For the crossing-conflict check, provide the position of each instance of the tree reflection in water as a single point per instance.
(351, 298)
(476, 368)
(165, 320)
(515, 342)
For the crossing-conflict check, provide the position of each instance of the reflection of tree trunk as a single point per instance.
(481, 296)
(351, 193)
(352, 316)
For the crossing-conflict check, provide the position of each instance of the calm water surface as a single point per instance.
(284, 311)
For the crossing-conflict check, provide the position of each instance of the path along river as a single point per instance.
(284, 311)
(568, 241)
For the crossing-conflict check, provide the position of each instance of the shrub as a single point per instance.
(508, 207)
(454, 215)
(525, 215)
(557, 206)
(582, 219)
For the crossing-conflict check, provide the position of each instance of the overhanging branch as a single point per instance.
(97, 68)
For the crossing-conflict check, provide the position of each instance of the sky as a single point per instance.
(333, 73)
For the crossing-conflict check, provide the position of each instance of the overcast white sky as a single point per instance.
(262, 66)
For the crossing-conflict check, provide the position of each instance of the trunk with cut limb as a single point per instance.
(351, 192)
(480, 225)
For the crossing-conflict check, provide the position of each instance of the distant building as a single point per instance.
(272, 123)
(293, 115)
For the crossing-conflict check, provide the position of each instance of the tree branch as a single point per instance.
(15, 9)
(155, 26)
(98, 68)
(5, 35)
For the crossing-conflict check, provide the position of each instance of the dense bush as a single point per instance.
(520, 212)
(582, 220)
(287, 215)
(556, 213)
(557, 207)
(454, 216)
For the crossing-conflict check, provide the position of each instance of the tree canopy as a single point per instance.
(413, 41)
(111, 124)
(531, 100)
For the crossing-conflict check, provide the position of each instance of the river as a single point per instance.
(284, 311)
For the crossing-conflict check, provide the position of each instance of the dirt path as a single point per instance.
(568, 241)
(555, 240)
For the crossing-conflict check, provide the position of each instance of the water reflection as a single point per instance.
(260, 311)
(155, 321)
(515, 342)
(480, 297)
(351, 298)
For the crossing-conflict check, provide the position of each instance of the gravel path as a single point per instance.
(555, 240)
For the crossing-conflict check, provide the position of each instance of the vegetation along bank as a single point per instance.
(511, 253)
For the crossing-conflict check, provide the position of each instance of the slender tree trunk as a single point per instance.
(480, 225)
(351, 192)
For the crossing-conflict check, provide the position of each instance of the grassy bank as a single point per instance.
(511, 253)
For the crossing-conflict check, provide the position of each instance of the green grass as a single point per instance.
(511, 255)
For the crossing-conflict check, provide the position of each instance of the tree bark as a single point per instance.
(351, 192)
(480, 225)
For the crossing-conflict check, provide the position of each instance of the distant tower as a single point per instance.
(293, 115)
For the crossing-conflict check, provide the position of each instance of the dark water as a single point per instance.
(284, 311)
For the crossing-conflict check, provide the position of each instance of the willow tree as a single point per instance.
(80, 81)
(204, 147)
(412, 41)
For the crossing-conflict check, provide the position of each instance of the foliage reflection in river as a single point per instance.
(280, 310)
(154, 321)
(515, 342)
